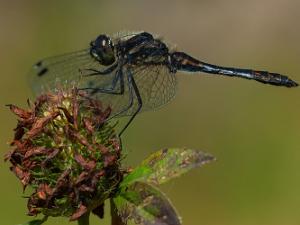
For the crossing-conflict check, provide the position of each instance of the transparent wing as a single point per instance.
(156, 86)
(65, 70)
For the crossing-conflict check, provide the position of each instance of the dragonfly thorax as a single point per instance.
(102, 49)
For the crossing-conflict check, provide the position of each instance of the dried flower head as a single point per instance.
(65, 149)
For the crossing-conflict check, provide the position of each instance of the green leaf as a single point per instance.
(138, 174)
(166, 164)
(144, 204)
(35, 222)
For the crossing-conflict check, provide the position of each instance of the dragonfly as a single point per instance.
(132, 72)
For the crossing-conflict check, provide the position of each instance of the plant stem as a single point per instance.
(84, 219)
(115, 218)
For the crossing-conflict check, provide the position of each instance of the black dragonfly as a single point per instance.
(131, 73)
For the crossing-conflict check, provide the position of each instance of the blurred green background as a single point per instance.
(253, 129)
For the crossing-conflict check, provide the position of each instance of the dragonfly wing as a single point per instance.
(66, 70)
(157, 86)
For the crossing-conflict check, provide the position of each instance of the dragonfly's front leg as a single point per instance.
(94, 72)
(112, 89)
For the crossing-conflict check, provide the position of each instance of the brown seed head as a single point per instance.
(66, 151)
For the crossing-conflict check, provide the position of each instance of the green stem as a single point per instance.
(84, 219)
(115, 218)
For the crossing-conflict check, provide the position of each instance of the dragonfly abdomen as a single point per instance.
(184, 62)
(273, 78)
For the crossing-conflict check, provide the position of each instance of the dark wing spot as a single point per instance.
(38, 64)
(42, 72)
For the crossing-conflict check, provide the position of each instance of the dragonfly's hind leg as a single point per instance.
(132, 88)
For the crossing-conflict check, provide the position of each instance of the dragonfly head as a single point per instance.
(102, 49)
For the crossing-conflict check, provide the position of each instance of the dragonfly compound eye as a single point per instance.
(102, 49)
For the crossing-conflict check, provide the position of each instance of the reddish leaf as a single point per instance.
(104, 150)
(76, 136)
(21, 113)
(52, 154)
(96, 177)
(29, 164)
(24, 176)
(8, 155)
(20, 145)
(42, 195)
(88, 125)
(109, 160)
(35, 151)
(85, 188)
(40, 123)
(79, 212)
(82, 177)
(87, 165)
(43, 190)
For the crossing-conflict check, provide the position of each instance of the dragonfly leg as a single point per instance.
(111, 89)
(122, 90)
(95, 72)
(133, 90)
